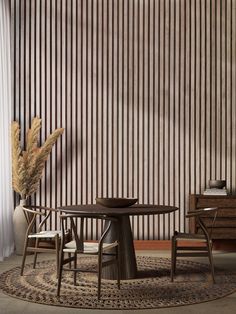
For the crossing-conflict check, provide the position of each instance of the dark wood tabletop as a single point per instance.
(137, 209)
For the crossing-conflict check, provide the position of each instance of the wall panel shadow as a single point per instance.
(145, 90)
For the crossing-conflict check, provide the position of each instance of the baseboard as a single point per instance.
(152, 244)
(158, 244)
(222, 245)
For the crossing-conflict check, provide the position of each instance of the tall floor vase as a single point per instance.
(20, 226)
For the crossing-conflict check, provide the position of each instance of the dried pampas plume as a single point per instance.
(28, 165)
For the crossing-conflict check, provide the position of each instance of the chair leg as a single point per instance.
(57, 252)
(75, 267)
(35, 253)
(175, 255)
(24, 256)
(60, 273)
(99, 274)
(118, 265)
(211, 261)
(173, 258)
(69, 255)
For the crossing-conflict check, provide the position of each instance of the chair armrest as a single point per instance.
(33, 211)
(42, 207)
(200, 212)
(36, 210)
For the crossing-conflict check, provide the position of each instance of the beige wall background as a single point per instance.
(145, 90)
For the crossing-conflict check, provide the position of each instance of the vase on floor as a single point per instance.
(20, 226)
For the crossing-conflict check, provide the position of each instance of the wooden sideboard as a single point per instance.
(225, 224)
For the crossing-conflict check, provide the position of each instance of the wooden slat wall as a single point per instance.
(145, 90)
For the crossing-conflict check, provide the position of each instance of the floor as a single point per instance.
(227, 305)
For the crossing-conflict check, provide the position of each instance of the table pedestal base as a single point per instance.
(127, 252)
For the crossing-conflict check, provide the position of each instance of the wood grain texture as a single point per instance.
(224, 226)
(146, 91)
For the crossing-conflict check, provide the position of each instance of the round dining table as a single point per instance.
(128, 260)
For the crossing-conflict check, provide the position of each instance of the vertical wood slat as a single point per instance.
(145, 90)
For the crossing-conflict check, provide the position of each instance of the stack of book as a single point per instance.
(214, 191)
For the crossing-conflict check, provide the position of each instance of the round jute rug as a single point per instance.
(153, 288)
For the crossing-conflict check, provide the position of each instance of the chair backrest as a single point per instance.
(32, 212)
(78, 230)
(199, 214)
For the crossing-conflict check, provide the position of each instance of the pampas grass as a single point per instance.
(28, 165)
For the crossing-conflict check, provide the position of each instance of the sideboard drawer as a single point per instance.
(225, 224)
(212, 202)
(221, 222)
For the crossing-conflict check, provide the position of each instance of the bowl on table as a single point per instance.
(115, 201)
(217, 184)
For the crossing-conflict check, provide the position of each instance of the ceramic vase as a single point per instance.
(20, 226)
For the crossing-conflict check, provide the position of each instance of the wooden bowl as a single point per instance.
(115, 202)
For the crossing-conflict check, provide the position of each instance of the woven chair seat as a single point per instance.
(45, 234)
(190, 237)
(89, 247)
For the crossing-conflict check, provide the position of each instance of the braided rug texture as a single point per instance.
(153, 288)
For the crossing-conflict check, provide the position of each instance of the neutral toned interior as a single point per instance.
(146, 93)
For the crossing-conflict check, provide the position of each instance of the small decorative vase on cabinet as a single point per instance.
(20, 226)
